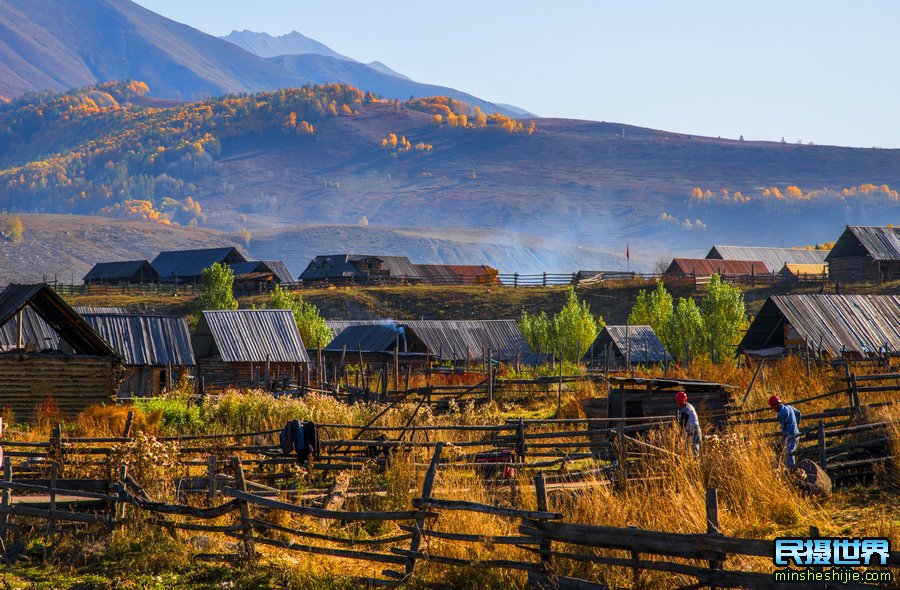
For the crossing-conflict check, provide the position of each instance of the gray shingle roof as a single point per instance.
(859, 324)
(185, 264)
(146, 340)
(281, 271)
(773, 258)
(249, 335)
(640, 343)
(880, 243)
(459, 339)
(366, 338)
(107, 271)
(341, 266)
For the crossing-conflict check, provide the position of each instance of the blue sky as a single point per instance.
(822, 71)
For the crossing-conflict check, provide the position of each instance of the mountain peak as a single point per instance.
(293, 43)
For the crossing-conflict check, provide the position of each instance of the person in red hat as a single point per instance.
(687, 419)
(789, 418)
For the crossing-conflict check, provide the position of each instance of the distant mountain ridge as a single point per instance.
(59, 45)
(293, 43)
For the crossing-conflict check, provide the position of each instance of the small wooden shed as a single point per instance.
(641, 398)
(68, 366)
(617, 346)
(133, 272)
(866, 254)
(248, 347)
(156, 349)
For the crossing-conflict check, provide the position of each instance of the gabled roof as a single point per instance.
(367, 338)
(639, 343)
(704, 267)
(146, 340)
(190, 263)
(773, 258)
(57, 314)
(836, 324)
(460, 339)
(281, 271)
(879, 243)
(341, 266)
(106, 271)
(249, 335)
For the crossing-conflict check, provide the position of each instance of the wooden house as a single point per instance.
(375, 344)
(359, 267)
(461, 341)
(253, 277)
(825, 326)
(68, 371)
(457, 274)
(870, 254)
(773, 258)
(617, 346)
(703, 268)
(132, 272)
(156, 349)
(186, 266)
(645, 398)
(248, 346)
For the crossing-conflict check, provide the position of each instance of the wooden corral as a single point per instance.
(640, 398)
(866, 254)
(78, 370)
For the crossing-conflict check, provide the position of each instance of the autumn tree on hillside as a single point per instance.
(14, 229)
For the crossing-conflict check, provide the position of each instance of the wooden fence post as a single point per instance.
(490, 374)
(56, 443)
(51, 520)
(129, 419)
(546, 548)
(427, 487)
(823, 456)
(241, 485)
(520, 440)
(5, 500)
(854, 395)
(211, 468)
(712, 521)
(622, 456)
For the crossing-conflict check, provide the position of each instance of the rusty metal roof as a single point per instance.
(773, 258)
(459, 340)
(859, 325)
(146, 340)
(706, 267)
(57, 314)
(249, 335)
(879, 243)
(639, 343)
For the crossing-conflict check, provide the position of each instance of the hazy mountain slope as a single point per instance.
(249, 163)
(64, 44)
(59, 44)
(293, 43)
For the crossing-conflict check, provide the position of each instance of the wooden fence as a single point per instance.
(543, 534)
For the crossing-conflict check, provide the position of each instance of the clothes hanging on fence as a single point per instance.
(300, 437)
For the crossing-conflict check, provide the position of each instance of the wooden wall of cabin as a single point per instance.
(711, 406)
(71, 382)
(853, 269)
(218, 372)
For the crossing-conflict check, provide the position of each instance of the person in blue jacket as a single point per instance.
(789, 418)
